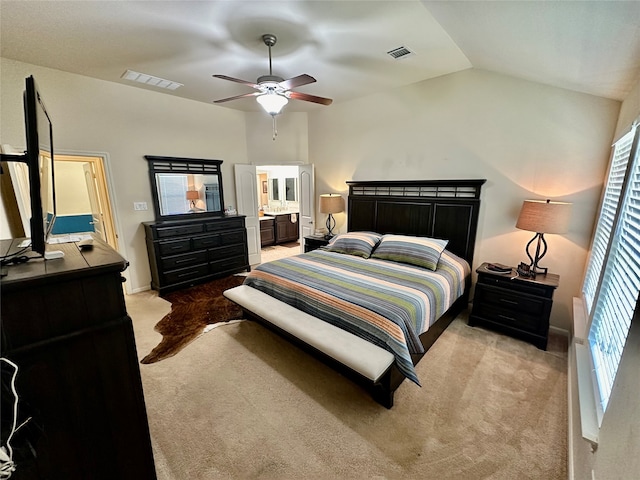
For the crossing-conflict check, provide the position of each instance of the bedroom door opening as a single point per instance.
(275, 190)
(86, 177)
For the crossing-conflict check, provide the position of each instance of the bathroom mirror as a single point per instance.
(291, 190)
(184, 187)
(275, 189)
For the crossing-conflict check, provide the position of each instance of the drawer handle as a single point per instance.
(176, 247)
(510, 302)
(507, 318)
(189, 274)
(185, 260)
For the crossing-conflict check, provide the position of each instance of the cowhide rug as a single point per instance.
(192, 309)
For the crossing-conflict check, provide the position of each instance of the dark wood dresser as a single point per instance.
(65, 325)
(514, 305)
(185, 252)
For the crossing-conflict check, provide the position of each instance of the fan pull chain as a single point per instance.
(275, 130)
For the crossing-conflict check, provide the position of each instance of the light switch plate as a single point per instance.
(140, 205)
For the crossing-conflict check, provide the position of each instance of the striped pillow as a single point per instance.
(360, 244)
(421, 251)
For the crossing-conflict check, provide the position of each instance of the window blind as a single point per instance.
(613, 189)
(612, 282)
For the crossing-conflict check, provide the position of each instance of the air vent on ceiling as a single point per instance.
(400, 52)
(150, 80)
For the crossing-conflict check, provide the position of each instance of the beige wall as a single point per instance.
(71, 193)
(528, 140)
(125, 123)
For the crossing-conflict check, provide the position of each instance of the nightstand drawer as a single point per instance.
(509, 318)
(517, 286)
(506, 300)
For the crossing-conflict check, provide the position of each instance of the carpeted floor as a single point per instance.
(239, 402)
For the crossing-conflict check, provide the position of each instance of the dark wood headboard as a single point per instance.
(446, 209)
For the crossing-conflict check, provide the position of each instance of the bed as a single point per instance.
(373, 301)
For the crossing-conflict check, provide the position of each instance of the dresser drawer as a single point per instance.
(175, 246)
(225, 252)
(176, 231)
(508, 300)
(184, 260)
(208, 241)
(226, 224)
(230, 238)
(186, 274)
(228, 264)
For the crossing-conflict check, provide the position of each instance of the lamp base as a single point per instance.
(534, 268)
(331, 224)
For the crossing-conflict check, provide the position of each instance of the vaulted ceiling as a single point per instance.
(587, 46)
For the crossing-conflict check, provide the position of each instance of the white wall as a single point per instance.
(290, 145)
(71, 193)
(528, 140)
(126, 123)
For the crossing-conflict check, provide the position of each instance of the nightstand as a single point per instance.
(514, 305)
(311, 242)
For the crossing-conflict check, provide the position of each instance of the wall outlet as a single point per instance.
(140, 206)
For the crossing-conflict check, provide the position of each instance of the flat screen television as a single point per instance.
(39, 158)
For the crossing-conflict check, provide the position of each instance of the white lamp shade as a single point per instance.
(544, 216)
(331, 203)
(272, 102)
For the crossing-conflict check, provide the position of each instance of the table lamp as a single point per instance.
(542, 216)
(331, 203)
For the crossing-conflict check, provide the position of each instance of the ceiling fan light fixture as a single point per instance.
(272, 102)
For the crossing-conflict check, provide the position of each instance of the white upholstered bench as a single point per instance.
(354, 352)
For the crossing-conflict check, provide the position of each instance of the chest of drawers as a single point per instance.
(513, 305)
(183, 253)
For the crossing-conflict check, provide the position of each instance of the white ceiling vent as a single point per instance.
(150, 80)
(400, 52)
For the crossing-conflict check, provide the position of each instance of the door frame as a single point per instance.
(99, 166)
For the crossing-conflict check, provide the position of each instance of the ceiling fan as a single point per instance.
(273, 92)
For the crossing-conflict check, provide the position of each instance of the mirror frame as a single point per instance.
(195, 166)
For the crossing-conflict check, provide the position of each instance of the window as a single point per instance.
(171, 192)
(612, 280)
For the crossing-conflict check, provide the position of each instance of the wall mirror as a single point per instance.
(291, 189)
(275, 189)
(185, 187)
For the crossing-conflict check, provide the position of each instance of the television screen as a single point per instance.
(40, 160)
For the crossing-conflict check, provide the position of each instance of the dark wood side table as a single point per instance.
(514, 305)
(311, 242)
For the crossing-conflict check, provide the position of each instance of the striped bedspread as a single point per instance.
(384, 302)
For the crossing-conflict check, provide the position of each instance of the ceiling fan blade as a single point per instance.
(309, 98)
(252, 94)
(298, 81)
(237, 80)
